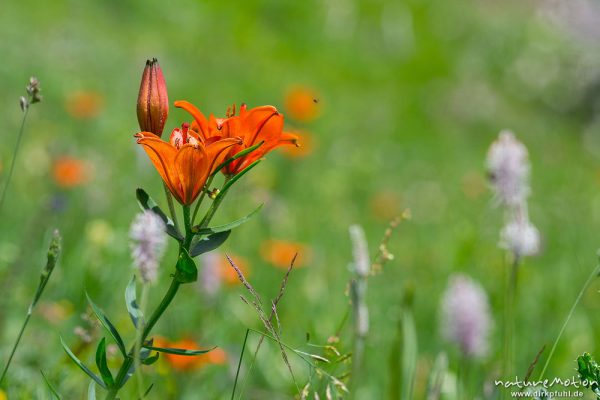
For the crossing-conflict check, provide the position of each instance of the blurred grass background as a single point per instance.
(410, 95)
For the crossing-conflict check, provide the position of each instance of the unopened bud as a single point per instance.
(153, 102)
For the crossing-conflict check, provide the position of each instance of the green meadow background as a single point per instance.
(410, 95)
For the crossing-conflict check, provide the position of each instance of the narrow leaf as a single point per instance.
(147, 392)
(226, 227)
(238, 155)
(92, 391)
(131, 301)
(107, 325)
(209, 243)
(147, 203)
(230, 182)
(186, 268)
(81, 365)
(179, 352)
(102, 364)
(53, 391)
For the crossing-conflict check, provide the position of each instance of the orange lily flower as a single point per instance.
(186, 161)
(259, 124)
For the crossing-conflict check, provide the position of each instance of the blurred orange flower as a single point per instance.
(259, 124)
(228, 274)
(69, 172)
(185, 162)
(302, 104)
(280, 253)
(84, 104)
(307, 147)
(189, 363)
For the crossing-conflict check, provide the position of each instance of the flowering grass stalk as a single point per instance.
(33, 96)
(52, 258)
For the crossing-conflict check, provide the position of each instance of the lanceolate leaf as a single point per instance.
(92, 391)
(226, 227)
(147, 203)
(131, 301)
(108, 325)
(179, 352)
(81, 365)
(209, 243)
(186, 268)
(238, 155)
(150, 359)
(102, 364)
(230, 182)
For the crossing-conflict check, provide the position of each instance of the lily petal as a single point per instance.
(199, 118)
(191, 164)
(162, 155)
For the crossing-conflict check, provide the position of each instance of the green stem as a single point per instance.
(199, 202)
(587, 283)
(213, 207)
(14, 158)
(138, 343)
(14, 349)
(509, 323)
(237, 373)
(171, 206)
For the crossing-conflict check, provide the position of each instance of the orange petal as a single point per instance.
(191, 164)
(262, 123)
(199, 118)
(162, 155)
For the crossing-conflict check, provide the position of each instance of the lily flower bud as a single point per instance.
(153, 102)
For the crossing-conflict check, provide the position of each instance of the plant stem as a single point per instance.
(237, 372)
(199, 202)
(171, 206)
(14, 158)
(138, 343)
(509, 323)
(587, 283)
(14, 349)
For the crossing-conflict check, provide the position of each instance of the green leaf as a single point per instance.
(147, 203)
(238, 155)
(150, 359)
(231, 181)
(186, 268)
(131, 301)
(209, 243)
(92, 391)
(179, 352)
(81, 365)
(102, 364)
(409, 354)
(108, 325)
(53, 391)
(227, 227)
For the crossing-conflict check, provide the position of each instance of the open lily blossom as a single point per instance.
(253, 126)
(186, 161)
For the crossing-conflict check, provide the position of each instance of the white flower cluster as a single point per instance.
(465, 316)
(508, 168)
(149, 240)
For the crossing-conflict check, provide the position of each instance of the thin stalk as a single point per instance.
(14, 349)
(214, 207)
(171, 206)
(509, 323)
(237, 372)
(587, 283)
(199, 202)
(14, 158)
(138, 343)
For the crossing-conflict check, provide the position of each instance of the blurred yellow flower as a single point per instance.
(302, 104)
(99, 232)
(70, 172)
(3, 395)
(280, 253)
